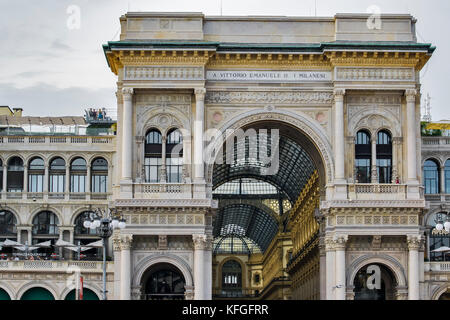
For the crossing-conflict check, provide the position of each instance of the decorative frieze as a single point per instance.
(374, 74)
(373, 220)
(163, 73)
(268, 97)
(165, 219)
(163, 99)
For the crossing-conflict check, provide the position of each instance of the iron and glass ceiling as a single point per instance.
(244, 176)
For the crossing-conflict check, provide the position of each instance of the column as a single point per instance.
(88, 182)
(373, 172)
(340, 243)
(5, 174)
(414, 243)
(67, 179)
(322, 269)
(330, 265)
(411, 135)
(339, 152)
(164, 157)
(202, 266)
(125, 267)
(117, 263)
(127, 133)
(45, 187)
(25, 181)
(442, 180)
(396, 142)
(198, 134)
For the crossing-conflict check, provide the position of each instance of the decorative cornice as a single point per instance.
(163, 203)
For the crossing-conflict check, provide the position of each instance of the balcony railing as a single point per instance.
(437, 266)
(58, 140)
(435, 141)
(154, 190)
(370, 191)
(55, 196)
(55, 266)
(235, 293)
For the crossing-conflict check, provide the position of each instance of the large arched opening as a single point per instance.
(375, 282)
(37, 293)
(163, 281)
(266, 175)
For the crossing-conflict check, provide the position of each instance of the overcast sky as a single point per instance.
(48, 68)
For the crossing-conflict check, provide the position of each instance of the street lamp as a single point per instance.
(441, 225)
(104, 222)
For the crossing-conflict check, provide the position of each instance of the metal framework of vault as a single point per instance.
(295, 167)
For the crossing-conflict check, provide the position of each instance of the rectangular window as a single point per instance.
(431, 181)
(174, 169)
(78, 183)
(57, 183)
(447, 180)
(152, 169)
(362, 170)
(99, 183)
(35, 183)
(384, 170)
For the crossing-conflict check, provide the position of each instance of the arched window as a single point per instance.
(384, 157)
(46, 223)
(232, 278)
(36, 172)
(174, 156)
(57, 175)
(80, 230)
(85, 236)
(431, 177)
(153, 156)
(8, 229)
(447, 176)
(99, 175)
(8, 224)
(15, 175)
(45, 228)
(363, 156)
(78, 171)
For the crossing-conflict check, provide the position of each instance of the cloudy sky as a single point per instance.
(50, 67)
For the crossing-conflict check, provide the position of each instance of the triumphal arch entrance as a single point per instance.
(268, 157)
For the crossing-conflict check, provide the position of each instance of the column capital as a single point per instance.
(116, 243)
(200, 93)
(339, 93)
(414, 242)
(410, 95)
(202, 241)
(126, 241)
(336, 242)
(127, 93)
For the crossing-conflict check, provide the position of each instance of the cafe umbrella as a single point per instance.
(25, 247)
(78, 248)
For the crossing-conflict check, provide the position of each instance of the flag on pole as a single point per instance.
(81, 288)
